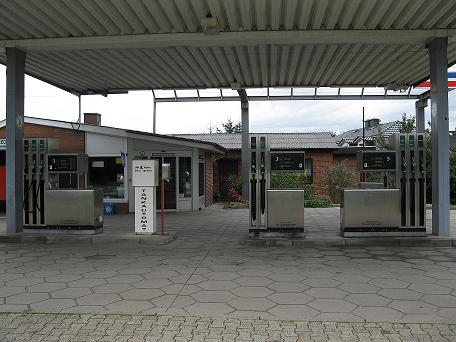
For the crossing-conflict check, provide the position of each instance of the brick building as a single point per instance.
(318, 147)
(191, 185)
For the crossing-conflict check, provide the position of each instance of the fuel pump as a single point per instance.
(397, 209)
(280, 208)
(411, 178)
(35, 178)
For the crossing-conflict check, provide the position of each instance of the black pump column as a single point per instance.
(258, 181)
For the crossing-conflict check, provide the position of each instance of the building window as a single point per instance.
(107, 173)
(308, 168)
(185, 177)
(201, 178)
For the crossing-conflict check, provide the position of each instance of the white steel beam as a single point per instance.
(375, 37)
(438, 61)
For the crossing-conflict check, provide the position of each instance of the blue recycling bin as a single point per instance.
(109, 208)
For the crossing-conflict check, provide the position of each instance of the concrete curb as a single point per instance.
(352, 242)
(89, 239)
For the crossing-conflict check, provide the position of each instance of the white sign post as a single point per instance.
(145, 181)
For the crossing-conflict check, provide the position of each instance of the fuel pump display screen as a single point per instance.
(378, 161)
(67, 163)
(287, 161)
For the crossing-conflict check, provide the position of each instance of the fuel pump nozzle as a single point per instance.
(263, 183)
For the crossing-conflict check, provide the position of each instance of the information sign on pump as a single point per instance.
(145, 181)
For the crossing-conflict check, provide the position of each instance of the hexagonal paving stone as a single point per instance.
(359, 288)
(63, 278)
(129, 306)
(135, 270)
(290, 298)
(292, 277)
(325, 292)
(25, 282)
(154, 283)
(252, 291)
(112, 288)
(47, 287)
(209, 309)
(98, 299)
(315, 282)
(213, 296)
(332, 305)
(379, 274)
(285, 286)
(378, 314)
(253, 281)
(404, 294)
(141, 294)
(71, 293)
(367, 299)
(254, 272)
(389, 283)
(53, 305)
(321, 274)
(163, 301)
(99, 274)
(351, 278)
(430, 288)
(27, 298)
(443, 301)
(416, 279)
(86, 283)
(252, 304)
(125, 279)
(413, 307)
(449, 314)
(218, 285)
(293, 312)
(11, 290)
(161, 274)
(221, 275)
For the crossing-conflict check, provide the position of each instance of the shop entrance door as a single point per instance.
(170, 186)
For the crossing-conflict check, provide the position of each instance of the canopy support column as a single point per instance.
(440, 136)
(15, 73)
(245, 155)
(155, 117)
(420, 105)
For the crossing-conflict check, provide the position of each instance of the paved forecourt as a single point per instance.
(210, 271)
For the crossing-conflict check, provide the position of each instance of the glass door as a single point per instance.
(170, 186)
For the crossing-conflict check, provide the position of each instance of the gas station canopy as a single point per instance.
(100, 46)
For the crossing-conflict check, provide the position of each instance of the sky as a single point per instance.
(134, 111)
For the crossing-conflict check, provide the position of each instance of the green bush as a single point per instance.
(236, 205)
(310, 191)
(318, 201)
(289, 180)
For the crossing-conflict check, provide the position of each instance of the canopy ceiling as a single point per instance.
(99, 46)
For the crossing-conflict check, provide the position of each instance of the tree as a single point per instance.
(407, 124)
(380, 139)
(230, 127)
(340, 176)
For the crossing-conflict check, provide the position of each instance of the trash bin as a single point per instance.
(109, 208)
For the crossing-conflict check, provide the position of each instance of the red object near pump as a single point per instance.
(162, 206)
